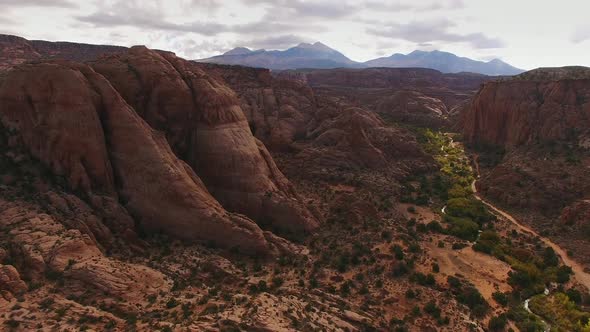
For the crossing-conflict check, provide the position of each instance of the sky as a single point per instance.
(525, 33)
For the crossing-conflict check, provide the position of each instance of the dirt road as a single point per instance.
(578, 270)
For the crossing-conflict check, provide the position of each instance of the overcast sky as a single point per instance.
(525, 33)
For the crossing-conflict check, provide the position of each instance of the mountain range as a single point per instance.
(320, 56)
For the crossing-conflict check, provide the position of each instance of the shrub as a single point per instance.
(500, 298)
(435, 268)
(262, 287)
(563, 274)
(432, 309)
(399, 269)
(454, 282)
(574, 295)
(434, 226)
(398, 252)
(171, 303)
(422, 279)
(458, 246)
(498, 323)
(473, 299)
(345, 288)
(463, 228)
(277, 282)
(549, 257)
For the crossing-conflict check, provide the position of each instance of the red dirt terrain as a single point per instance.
(533, 133)
(141, 191)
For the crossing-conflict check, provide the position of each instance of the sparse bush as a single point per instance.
(172, 303)
(432, 309)
(498, 323)
(277, 282)
(435, 268)
(500, 298)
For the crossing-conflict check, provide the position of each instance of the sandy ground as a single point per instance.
(485, 272)
(423, 215)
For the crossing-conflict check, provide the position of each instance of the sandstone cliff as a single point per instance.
(73, 121)
(528, 111)
(16, 50)
(206, 127)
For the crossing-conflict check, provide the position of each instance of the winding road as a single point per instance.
(578, 270)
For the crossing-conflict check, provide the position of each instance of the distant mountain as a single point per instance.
(320, 56)
(445, 62)
(303, 55)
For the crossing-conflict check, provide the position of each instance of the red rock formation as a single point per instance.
(55, 113)
(285, 112)
(16, 50)
(206, 127)
(576, 214)
(366, 87)
(10, 282)
(278, 110)
(415, 108)
(41, 245)
(517, 112)
(73, 121)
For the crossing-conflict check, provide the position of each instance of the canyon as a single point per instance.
(142, 191)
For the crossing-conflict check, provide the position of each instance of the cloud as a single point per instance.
(191, 49)
(275, 42)
(332, 9)
(433, 31)
(153, 18)
(148, 21)
(400, 6)
(38, 3)
(306, 9)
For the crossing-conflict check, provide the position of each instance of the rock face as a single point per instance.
(16, 50)
(108, 149)
(577, 214)
(394, 90)
(531, 133)
(541, 118)
(10, 281)
(527, 111)
(42, 246)
(207, 128)
(415, 108)
(326, 133)
(278, 110)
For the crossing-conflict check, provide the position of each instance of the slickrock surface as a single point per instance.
(207, 128)
(517, 112)
(17, 50)
(105, 139)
